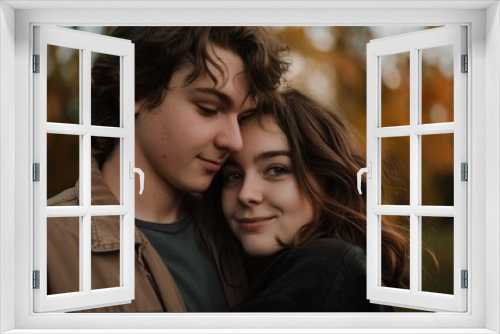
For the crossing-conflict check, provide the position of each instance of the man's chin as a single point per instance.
(197, 188)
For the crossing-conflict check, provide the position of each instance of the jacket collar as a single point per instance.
(105, 230)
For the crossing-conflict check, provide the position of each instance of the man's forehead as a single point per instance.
(229, 89)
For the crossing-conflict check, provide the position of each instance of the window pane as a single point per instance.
(63, 164)
(106, 252)
(395, 89)
(395, 170)
(105, 83)
(63, 255)
(437, 240)
(106, 193)
(63, 82)
(437, 84)
(437, 169)
(400, 224)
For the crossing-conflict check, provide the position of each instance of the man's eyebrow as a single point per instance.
(212, 91)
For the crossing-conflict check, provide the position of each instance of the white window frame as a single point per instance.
(85, 43)
(413, 44)
(16, 21)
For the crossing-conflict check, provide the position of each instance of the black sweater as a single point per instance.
(326, 275)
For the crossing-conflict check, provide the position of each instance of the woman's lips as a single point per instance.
(253, 224)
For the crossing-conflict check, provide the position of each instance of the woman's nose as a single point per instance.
(250, 192)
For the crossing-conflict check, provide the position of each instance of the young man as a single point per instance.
(193, 86)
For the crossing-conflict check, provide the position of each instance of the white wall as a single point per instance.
(486, 117)
(492, 157)
(7, 164)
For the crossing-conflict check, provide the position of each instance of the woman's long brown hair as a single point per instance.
(326, 159)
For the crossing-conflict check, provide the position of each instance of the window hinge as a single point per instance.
(36, 63)
(36, 172)
(36, 279)
(465, 64)
(465, 279)
(464, 172)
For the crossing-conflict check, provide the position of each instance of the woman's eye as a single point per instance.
(231, 177)
(276, 171)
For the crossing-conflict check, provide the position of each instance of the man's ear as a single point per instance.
(138, 106)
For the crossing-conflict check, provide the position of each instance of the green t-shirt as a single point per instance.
(189, 263)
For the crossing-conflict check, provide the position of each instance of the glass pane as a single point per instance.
(437, 84)
(63, 85)
(106, 251)
(437, 254)
(63, 255)
(395, 170)
(400, 224)
(105, 83)
(63, 165)
(437, 169)
(395, 99)
(110, 151)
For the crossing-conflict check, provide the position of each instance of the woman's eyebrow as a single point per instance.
(272, 154)
(262, 156)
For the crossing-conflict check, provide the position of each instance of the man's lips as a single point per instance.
(212, 165)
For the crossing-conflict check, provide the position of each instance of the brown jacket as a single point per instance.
(155, 289)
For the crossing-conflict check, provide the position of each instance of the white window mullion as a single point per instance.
(123, 221)
(85, 260)
(460, 156)
(40, 156)
(81, 175)
(422, 129)
(373, 262)
(127, 103)
(392, 210)
(86, 182)
(80, 130)
(419, 210)
(414, 171)
(433, 129)
(392, 131)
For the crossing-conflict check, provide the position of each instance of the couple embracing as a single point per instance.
(250, 202)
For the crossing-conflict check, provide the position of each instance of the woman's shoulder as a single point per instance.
(327, 252)
(329, 245)
(326, 274)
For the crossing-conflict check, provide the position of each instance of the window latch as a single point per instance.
(133, 170)
(368, 171)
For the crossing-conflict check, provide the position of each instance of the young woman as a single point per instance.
(290, 198)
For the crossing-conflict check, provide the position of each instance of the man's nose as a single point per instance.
(229, 137)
